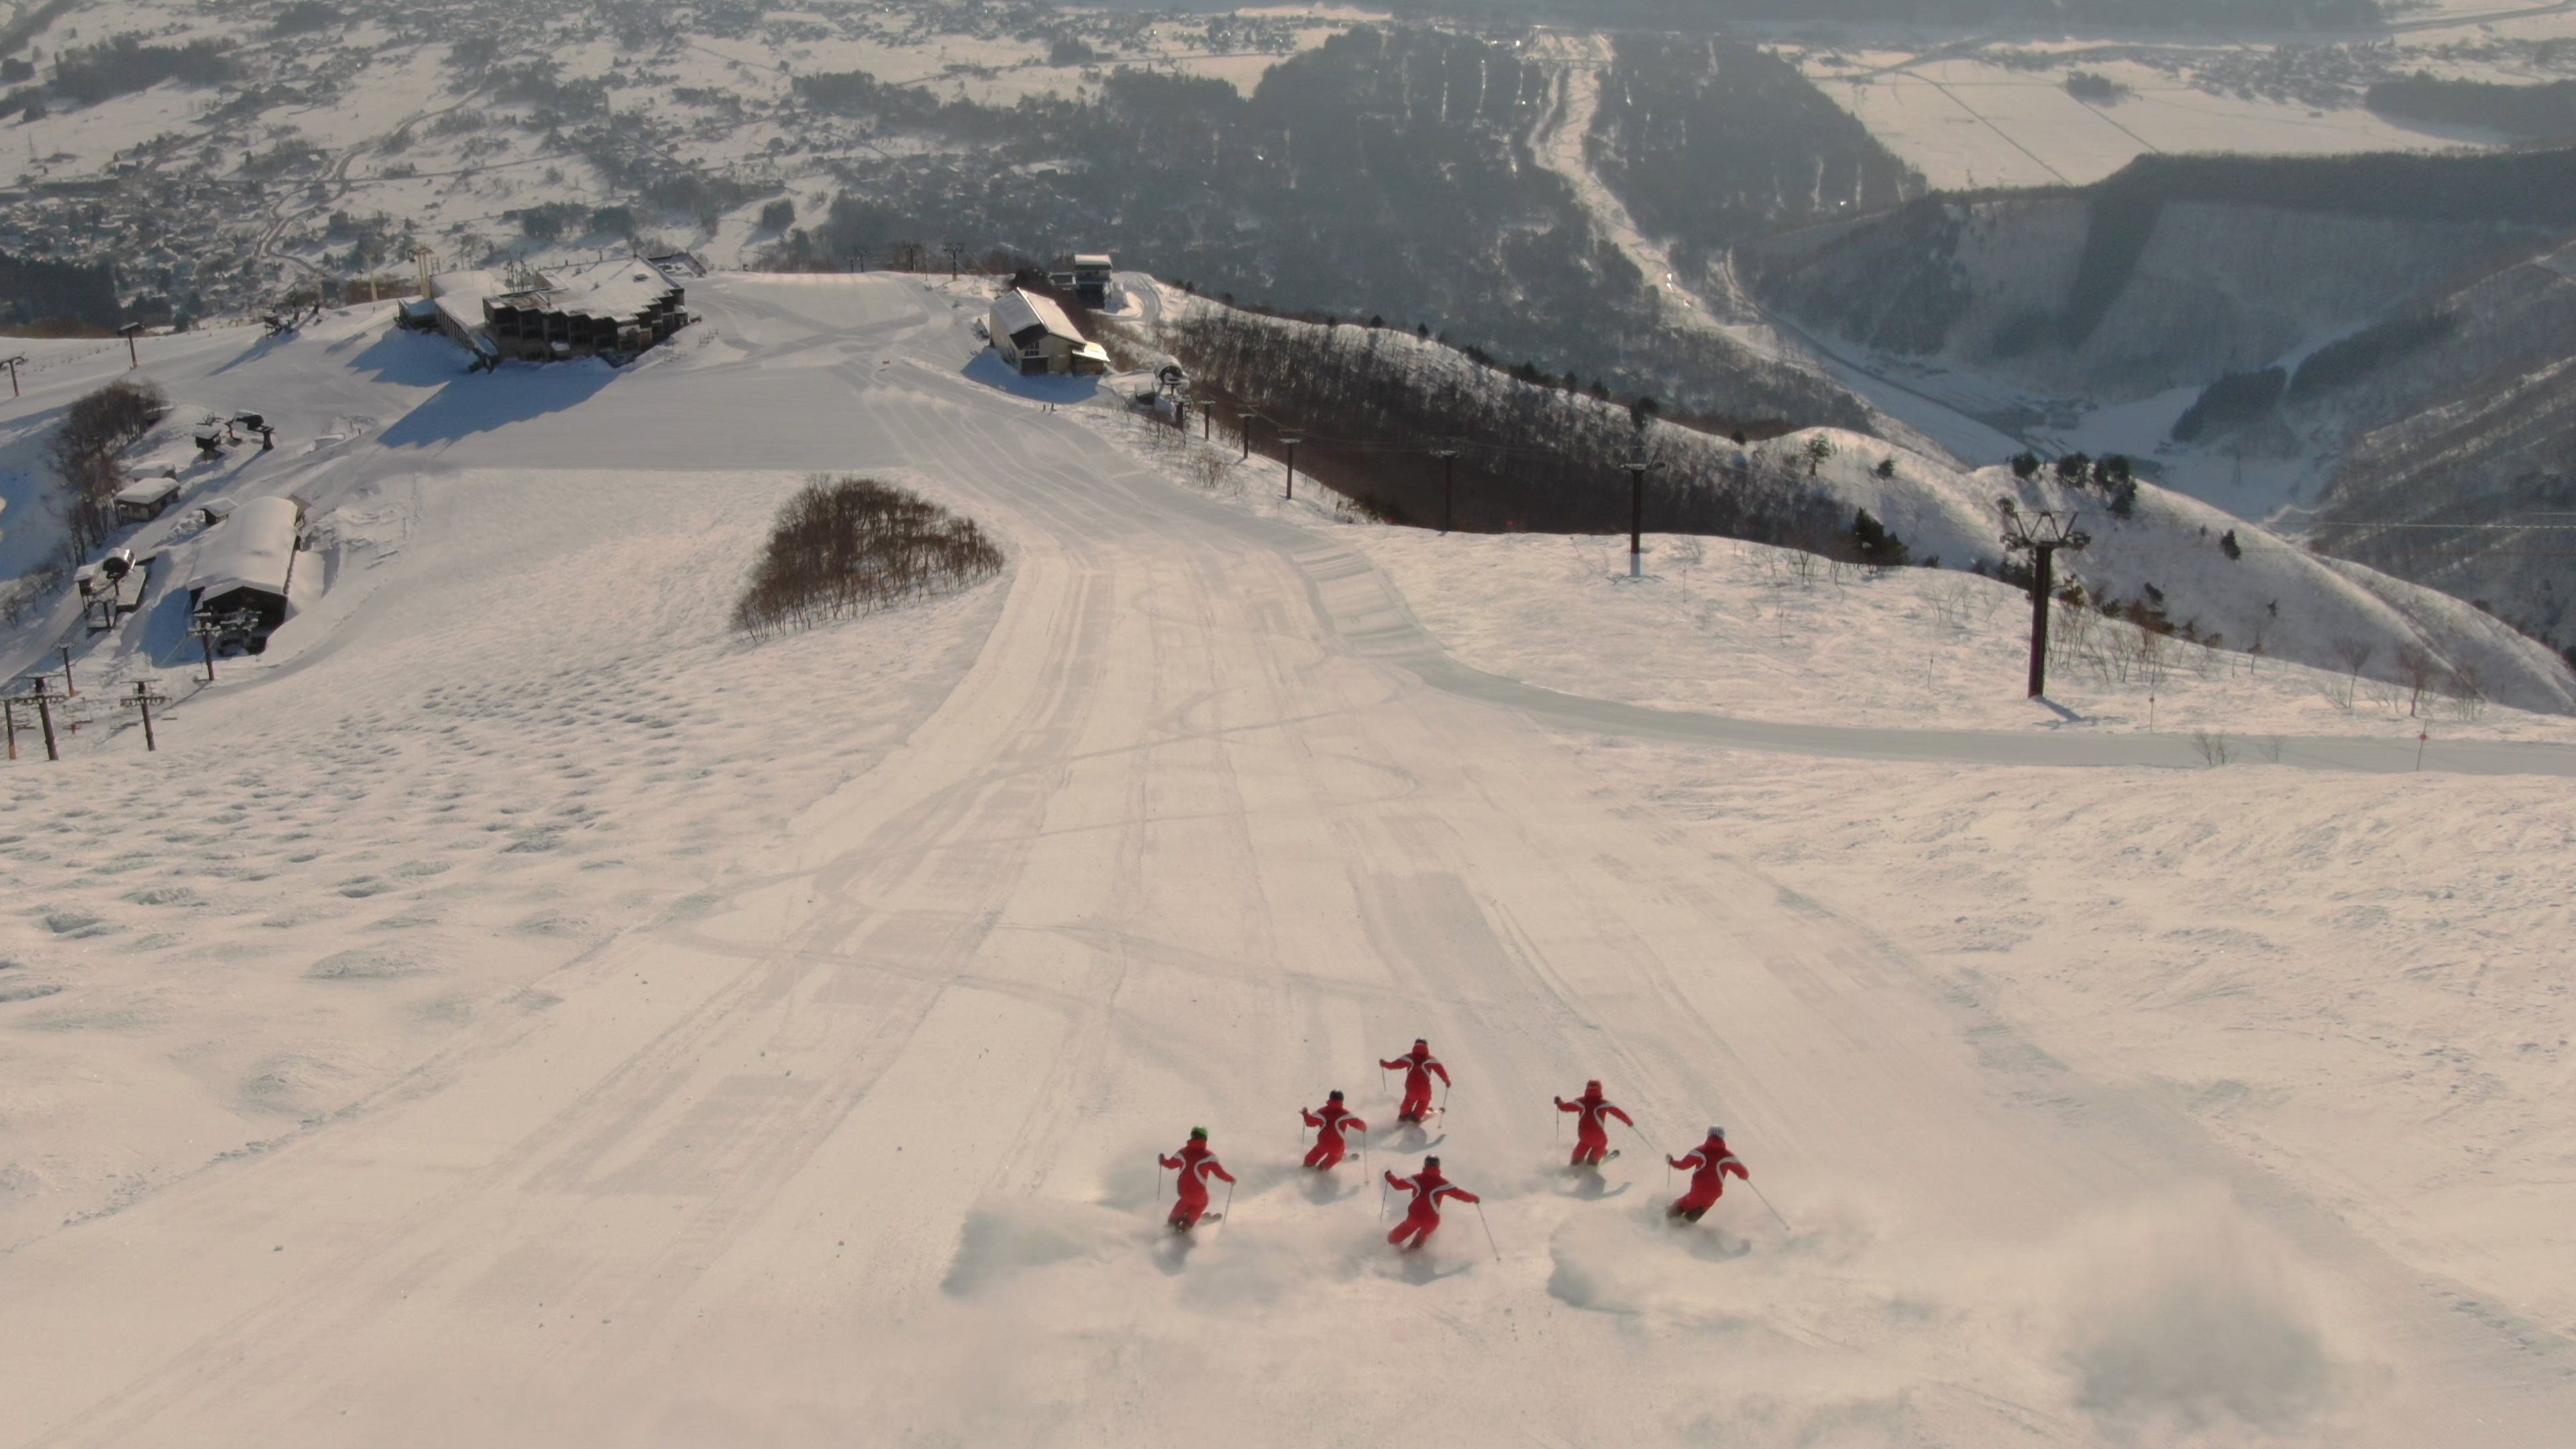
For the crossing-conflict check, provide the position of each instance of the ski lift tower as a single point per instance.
(2040, 535)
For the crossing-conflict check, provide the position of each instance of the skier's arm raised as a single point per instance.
(1311, 1119)
(1563, 1105)
(1687, 1162)
(1171, 1162)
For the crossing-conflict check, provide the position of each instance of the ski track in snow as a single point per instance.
(797, 1078)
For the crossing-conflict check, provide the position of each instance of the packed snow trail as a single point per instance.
(864, 1153)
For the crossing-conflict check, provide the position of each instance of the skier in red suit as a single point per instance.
(1197, 1165)
(1418, 1066)
(1423, 1218)
(1592, 1135)
(1708, 1165)
(1329, 1124)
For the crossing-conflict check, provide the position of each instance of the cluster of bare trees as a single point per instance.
(2417, 678)
(846, 545)
(1530, 455)
(83, 452)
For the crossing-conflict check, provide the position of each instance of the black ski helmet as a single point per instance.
(1431, 1162)
(1337, 1096)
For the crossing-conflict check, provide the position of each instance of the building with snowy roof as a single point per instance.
(1034, 336)
(625, 305)
(246, 565)
(1091, 278)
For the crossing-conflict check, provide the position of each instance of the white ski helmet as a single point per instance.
(1717, 1132)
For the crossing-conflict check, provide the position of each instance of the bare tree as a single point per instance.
(2420, 671)
(83, 452)
(2468, 692)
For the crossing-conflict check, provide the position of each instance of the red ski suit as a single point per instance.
(1592, 1135)
(1197, 1163)
(1423, 1218)
(1330, 1121)
(1418, 1067)
(1708, 1165)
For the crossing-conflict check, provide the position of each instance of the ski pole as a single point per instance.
(1381, 1199)
(1225, 1215)
(1766, 1202)
(1489, 1233)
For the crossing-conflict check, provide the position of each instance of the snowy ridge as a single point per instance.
(2275, 598)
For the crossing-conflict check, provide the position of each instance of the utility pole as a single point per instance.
(70, 691)
(1448, 457)
(954, 250)
(12, 363)
(143, 700)
(1292, 443)
(2041, 536)
(1244, 424)
(1636, 466)
(45, 717)
(133, 358)
(9, 711)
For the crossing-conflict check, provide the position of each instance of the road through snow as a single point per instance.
(862, 1153)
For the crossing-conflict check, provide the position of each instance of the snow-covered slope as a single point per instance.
(512, 1009)
(2168, 552)
(2274, 597)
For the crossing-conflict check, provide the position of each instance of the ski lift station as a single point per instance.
(1034, 337)
(1090, 278)
(614, 308)
(246, 565)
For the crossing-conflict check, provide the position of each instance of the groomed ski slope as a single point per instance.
(796, 1081)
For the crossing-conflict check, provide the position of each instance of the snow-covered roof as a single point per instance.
(459, 297)
(1091, 261)
(625, 287)
(253, 549)
(1016, 312)
(150, 490)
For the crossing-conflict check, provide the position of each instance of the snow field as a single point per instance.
(1746, 629)
(835, 1107)
(399, 857)
(2343, 980)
